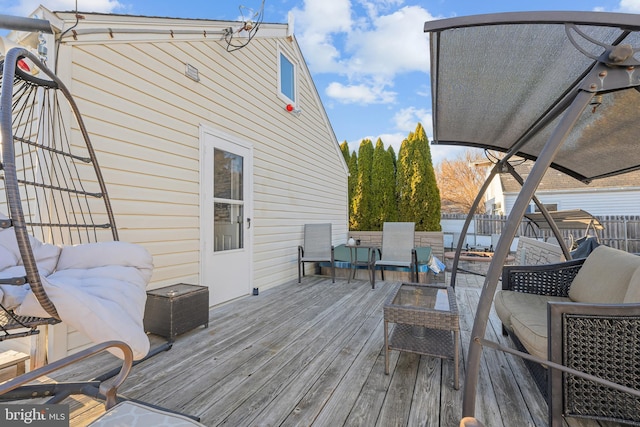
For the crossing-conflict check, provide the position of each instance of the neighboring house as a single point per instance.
(619, 195)
(204, 164)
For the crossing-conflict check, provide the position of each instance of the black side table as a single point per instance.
(176, 309)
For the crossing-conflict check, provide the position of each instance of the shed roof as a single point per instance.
(502, 82)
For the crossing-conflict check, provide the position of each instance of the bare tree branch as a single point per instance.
(459, 181)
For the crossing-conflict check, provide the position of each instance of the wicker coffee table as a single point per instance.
(427, 322)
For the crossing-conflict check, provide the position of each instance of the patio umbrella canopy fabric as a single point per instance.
(500, 82)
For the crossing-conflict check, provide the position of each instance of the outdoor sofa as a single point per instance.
(583, 314)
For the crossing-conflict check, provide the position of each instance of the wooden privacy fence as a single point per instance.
(620, 231)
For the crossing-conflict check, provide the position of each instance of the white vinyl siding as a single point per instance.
(144, 114)
(596, 201)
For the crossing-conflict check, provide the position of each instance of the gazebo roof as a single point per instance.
(502, 82)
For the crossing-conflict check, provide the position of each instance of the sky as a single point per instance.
(369, 59)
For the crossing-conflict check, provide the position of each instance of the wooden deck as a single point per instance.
(311, 354)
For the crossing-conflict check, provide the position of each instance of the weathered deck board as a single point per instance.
(312, 354)
(341, 402)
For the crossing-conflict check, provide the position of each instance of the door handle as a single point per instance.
(248, 222)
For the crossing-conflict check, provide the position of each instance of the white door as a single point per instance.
(225, 219)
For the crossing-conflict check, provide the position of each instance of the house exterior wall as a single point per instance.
(617, 195)
(597, 201)
(495, 197)
(144, 117)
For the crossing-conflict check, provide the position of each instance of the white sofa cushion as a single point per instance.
(604, 277)
(510, 303)
(531, 329)
(526, 315)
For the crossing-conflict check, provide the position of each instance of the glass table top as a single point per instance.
(422, 296)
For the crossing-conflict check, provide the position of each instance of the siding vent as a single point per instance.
(191, 72)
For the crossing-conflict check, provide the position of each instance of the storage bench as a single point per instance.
(176, 309)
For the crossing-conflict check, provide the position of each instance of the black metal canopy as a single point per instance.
(502, 81)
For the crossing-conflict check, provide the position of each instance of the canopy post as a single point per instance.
(543, 162)
(545, 214)
(467, 222)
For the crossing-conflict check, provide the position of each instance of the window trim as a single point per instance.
(282, 53)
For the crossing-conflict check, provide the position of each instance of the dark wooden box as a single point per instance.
(176, 309)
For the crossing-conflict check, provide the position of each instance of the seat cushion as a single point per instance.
(510, 303)
(604, 276)
(633, 291)
(526, 316)
(384, 263)
(133, 414)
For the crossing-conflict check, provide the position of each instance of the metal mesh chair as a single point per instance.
(53, 191)
(398, 249)
(317, 247)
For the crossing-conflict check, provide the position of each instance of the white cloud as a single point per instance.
(407, 119)
(324, 17)
(321, 52)
(389, 139)
(26, 7)
(373, 7)
(631, 6)
(438, 152)
(394, 44)
(359, 94)
(445, 152)
(318, 24)
(369, 51)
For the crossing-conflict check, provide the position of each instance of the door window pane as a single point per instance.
(227, 226)
(228, 201)
(227, 180)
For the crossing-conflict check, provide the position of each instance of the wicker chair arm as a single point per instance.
(547, 279)
(599, 340)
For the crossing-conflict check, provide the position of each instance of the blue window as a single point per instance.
(287, 78)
